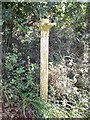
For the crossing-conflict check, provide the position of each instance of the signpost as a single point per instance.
(45, 26)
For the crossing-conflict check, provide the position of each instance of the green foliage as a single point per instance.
(21, 57)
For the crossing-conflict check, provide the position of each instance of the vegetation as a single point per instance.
(69, 59)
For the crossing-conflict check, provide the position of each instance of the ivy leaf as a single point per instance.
(20, 70)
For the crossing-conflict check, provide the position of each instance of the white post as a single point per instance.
(44, 48)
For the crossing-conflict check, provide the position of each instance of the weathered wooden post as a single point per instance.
(44, 48)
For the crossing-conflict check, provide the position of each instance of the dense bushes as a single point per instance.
(68, 80)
